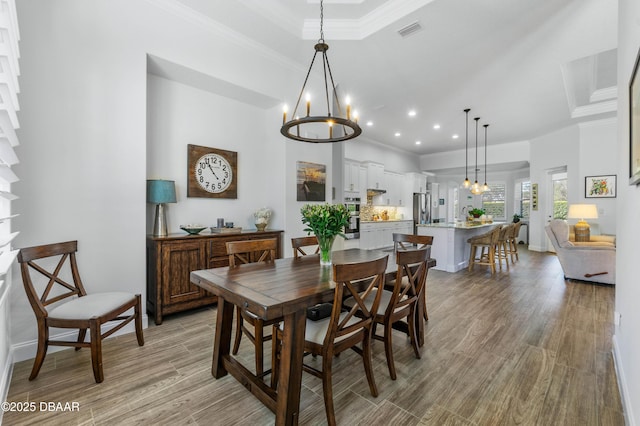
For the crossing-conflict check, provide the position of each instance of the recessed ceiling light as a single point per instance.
(455, 136)
(397, 134)
(418, 142)
(412, 113)
(369, 123)
(436, 126)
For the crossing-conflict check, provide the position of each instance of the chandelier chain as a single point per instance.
(321, 22)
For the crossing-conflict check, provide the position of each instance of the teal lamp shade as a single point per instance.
(160, 192)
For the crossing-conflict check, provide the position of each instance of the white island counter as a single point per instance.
(450, 247)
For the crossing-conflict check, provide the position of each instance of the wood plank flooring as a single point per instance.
(520, 347)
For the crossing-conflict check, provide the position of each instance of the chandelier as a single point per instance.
(348, 124)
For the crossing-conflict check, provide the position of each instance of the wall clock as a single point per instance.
(211, 172)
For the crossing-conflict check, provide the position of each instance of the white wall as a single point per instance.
(496, 154)
(84, 131)
(627, 333)
(179, 115)
(598, 156)
(586, 150)
(552, 151)
(361, 149)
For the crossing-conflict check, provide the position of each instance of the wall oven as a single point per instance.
(352, 230)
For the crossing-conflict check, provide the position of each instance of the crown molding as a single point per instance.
(358, 29)
(604, 94)
(594, 109)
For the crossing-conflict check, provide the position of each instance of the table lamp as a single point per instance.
(582, 212)
(160, 192)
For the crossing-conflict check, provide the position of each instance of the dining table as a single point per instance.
(280, 289)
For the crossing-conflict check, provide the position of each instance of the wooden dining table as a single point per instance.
(282, 289)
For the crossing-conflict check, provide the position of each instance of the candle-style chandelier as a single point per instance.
(297, 126)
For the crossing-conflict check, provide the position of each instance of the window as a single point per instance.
(493, 201)
(522, 198)
(9, 70)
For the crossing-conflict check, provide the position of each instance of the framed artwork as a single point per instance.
(600, 186)
(534, 196)
(211, 172)
(634, 124)
(311, 180)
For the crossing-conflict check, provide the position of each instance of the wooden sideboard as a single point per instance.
(171, 259)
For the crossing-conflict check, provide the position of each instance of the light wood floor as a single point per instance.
(521, 347)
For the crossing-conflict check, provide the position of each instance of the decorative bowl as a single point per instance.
(193, 229)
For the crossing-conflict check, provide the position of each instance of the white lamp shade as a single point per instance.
(582, 211)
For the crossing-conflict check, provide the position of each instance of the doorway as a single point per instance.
(556, 205)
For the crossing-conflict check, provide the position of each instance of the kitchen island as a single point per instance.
(450, 247)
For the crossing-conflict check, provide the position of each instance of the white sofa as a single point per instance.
(587, 261)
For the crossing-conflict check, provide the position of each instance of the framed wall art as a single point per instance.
(311, 181)
(600, 186)
(634, 124)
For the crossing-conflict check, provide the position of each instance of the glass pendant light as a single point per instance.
(485, 187)
(467, 182)
(475, 188)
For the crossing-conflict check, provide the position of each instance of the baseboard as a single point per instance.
(537, 248)
(27, 350)
(5, 380)
(622, 385)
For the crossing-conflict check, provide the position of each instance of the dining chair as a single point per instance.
(398, 307)
(343, 330)
(59, 300)
(298, 245)
(243, 252)
(405, 241)
(486, 241)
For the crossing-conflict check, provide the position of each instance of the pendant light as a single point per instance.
(350, 128)
(485, 187)
(467, 182)
(475, 188)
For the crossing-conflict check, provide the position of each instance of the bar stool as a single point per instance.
(502, 248)
(512, 241)
(486, 241)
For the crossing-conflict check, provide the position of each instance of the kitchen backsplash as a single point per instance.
(369, 213)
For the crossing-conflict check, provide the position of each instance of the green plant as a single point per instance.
(476, 212)
(325, 220)
(516, 218)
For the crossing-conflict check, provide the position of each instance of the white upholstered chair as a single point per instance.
(587, 261)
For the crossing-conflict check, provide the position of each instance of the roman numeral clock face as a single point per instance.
(212, 172)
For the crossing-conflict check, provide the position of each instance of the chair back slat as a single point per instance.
(412, 264)
(251, 251)
(406, 241)
(349, 279)
(299, 243)
(27, 258)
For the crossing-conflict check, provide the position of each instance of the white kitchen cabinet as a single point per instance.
(377, 235)
(394, 185)
(351, 176)
(418, 182)
(375, 176)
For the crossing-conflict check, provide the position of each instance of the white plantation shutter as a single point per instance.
(9, 106)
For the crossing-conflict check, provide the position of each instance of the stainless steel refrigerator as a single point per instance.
(421, 209)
